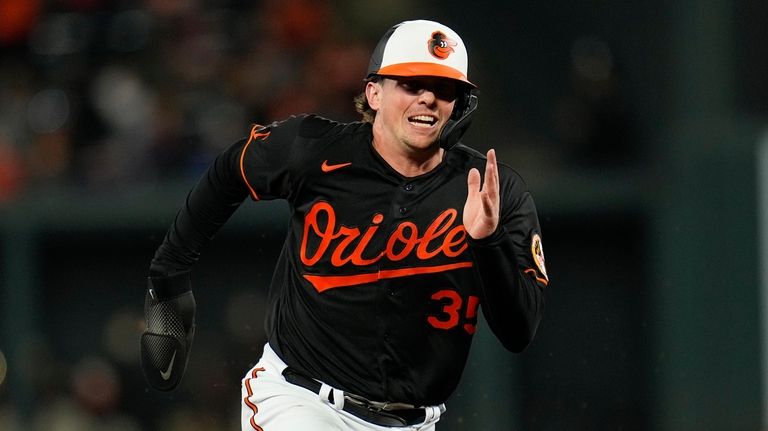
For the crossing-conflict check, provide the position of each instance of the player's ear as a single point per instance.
(373, 94)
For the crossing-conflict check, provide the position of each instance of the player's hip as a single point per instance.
(269, 399)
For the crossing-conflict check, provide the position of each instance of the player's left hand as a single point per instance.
(481, 211)
(169, 309)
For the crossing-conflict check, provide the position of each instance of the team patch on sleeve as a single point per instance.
(537, 252)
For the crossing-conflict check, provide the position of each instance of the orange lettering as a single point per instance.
(357, 255)
(434, 231)
(349, 235)
(456, 237)
(310, 221)
(408, 242)
(350, 245)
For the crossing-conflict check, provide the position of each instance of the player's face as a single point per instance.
(411, 111)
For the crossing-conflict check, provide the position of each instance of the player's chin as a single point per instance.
(422, 147)
(424, 137)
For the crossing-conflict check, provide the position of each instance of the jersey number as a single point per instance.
(452, 311)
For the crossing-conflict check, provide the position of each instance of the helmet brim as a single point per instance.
(424, 69)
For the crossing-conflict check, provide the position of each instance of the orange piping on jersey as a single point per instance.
(543, 281)
(247, 400)
(254, 135)
(321, 283)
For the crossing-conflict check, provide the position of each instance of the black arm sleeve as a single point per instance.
(169, 306)
(212, 201)
(169, 310)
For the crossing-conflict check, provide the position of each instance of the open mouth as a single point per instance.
(422, 120)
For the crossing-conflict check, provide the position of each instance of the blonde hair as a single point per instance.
(363, 108)
(361, 103)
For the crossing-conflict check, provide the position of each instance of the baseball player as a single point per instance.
(398, 234)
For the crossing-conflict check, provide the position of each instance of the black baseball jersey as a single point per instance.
(378, 285)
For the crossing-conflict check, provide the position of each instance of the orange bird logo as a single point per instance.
(440, 45)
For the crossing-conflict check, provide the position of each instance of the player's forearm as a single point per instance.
(212, 201)
(512, 302)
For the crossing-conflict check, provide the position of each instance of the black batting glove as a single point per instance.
(169, 309)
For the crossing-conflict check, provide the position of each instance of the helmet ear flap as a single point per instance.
(463, 102)
(460, 120)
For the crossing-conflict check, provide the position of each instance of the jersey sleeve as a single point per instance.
(257, 166)
(266, 160)
(210, 203)
(510, 266)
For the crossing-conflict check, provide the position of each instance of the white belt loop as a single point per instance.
(432, 414)
(429, 414)
(338, 399)
(325, 390)
(338, 396)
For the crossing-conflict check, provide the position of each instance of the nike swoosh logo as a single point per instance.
(330, 168)
(167, 373)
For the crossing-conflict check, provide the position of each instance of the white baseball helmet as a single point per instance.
(420, 48)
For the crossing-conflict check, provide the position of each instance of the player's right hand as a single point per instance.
(169, 309)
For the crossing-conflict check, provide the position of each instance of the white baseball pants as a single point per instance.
(270, 403)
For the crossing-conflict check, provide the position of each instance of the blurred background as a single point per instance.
(640, 128)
